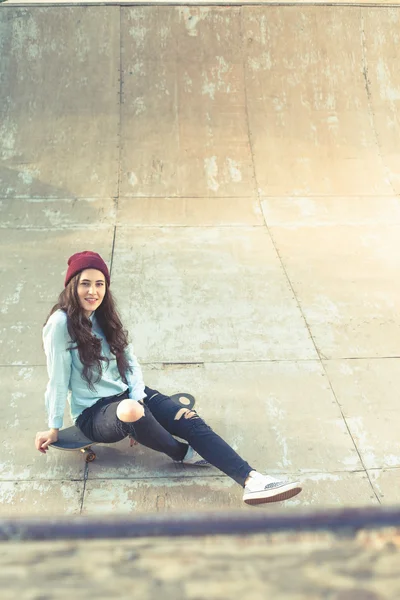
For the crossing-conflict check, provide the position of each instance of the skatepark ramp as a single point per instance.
(200, 102)
(238, 167)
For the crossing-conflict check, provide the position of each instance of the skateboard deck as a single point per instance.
(71, 438)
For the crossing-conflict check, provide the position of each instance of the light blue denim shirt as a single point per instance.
(65, 369)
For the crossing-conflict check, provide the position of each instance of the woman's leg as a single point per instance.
(111, 421)
(141, 424)
(102, 423)
(187, 425)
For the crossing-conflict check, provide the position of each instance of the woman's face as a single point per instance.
(91, 290)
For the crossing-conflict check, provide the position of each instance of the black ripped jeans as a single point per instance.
(156, 429)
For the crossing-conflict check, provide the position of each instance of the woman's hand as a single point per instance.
(44, 439)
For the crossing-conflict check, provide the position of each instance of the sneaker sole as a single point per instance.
(269, 496)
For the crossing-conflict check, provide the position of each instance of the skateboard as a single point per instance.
(72, 438)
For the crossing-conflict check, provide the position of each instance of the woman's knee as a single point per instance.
(130, 411)
(186, 413)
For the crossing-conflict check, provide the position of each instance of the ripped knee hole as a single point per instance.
(186, 413)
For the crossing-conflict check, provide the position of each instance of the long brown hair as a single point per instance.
(80, 331)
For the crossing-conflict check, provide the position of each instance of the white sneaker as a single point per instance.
(192, 458)
(263, 488)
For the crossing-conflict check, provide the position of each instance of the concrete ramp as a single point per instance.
(323, 100)
(238, 167)
(194, 102)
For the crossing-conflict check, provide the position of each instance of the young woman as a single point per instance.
(88, 353)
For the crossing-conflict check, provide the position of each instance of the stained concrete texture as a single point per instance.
(238, 169)
(352, 313)
(386, 484)
(202, 492)
(41, 498)
(201, 3)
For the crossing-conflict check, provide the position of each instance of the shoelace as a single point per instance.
(273, 484)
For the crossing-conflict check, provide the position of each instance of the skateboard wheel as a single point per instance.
(90, 456)
(184, 400)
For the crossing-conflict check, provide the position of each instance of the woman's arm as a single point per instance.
(135, 377)
(56, 342)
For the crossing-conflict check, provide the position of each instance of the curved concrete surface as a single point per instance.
(305, 98)
(238, 168)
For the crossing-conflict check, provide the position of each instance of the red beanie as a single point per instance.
(86, 260)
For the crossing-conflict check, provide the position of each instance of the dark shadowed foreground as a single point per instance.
(283, 565)
(350, 554)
